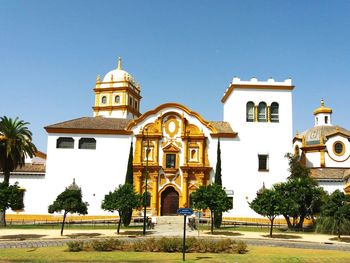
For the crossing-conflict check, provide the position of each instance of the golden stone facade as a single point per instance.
(178, 161)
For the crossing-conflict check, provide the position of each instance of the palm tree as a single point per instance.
(15, 145)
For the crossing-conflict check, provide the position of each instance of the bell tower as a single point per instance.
(117, 95)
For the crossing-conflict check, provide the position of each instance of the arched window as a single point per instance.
(274, 112)
(104, 100)
(262, 112)
(117, 99)
(65, 143)
(193, 154)
(87, 143)
(149, 153)
(250, 111)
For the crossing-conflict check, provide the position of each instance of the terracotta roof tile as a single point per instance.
(30, 168)
(222, 126)
(329, 174)
(92, 123)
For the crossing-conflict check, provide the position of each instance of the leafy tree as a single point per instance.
(268, 203)
(218, 181)
(302, 195)
(122, 199)
(15, 144)
(303, 199)
(212, 197)
(296, 168)
(70, 201)
(335, 214)
(11, 196)
(129, 179)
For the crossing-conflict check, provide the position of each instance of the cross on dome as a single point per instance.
(119, 67)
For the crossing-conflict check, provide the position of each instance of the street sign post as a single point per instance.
(184, 212)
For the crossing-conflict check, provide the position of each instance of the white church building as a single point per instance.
(181, 146)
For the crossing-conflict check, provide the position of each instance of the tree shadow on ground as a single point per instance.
(78, 235)
(283, 236)
(224, 233)
(21, 237)
(342, 239)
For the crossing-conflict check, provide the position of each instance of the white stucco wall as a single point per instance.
(35, 193)
(330, 187)
(96, 171)
(313, 159)
(240, 156)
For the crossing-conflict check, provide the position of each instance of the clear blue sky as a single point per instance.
(181, 51)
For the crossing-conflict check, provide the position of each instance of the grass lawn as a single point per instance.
(255, 254)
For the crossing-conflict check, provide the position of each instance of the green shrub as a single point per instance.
(216, 246)
(241, 247)
(191, 244)
(170, 244)
(146, 245)
(106, 245)
(75, 246)
(328, 225)
(164, 245)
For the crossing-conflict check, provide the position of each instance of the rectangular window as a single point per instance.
(65, 143)
(263, 162)
(87, 143)
(170, 160)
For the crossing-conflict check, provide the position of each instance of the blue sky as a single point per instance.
(181, 51)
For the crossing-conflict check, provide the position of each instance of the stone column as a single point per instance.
(154, 194)
(184, 199)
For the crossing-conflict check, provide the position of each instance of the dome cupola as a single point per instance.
(117, 95)
(323, 115)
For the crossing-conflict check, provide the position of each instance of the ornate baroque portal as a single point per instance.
(177, 161)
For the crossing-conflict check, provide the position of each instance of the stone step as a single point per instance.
(165, 220)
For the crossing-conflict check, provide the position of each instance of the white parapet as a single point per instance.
(255, 81)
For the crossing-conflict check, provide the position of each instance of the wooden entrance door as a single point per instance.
(169, 202)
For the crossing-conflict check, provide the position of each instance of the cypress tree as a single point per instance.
(218, 181)
(218, 175)
(129, 179)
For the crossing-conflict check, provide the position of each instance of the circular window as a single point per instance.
(338, 148)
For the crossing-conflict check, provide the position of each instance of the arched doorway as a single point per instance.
(169, 202)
